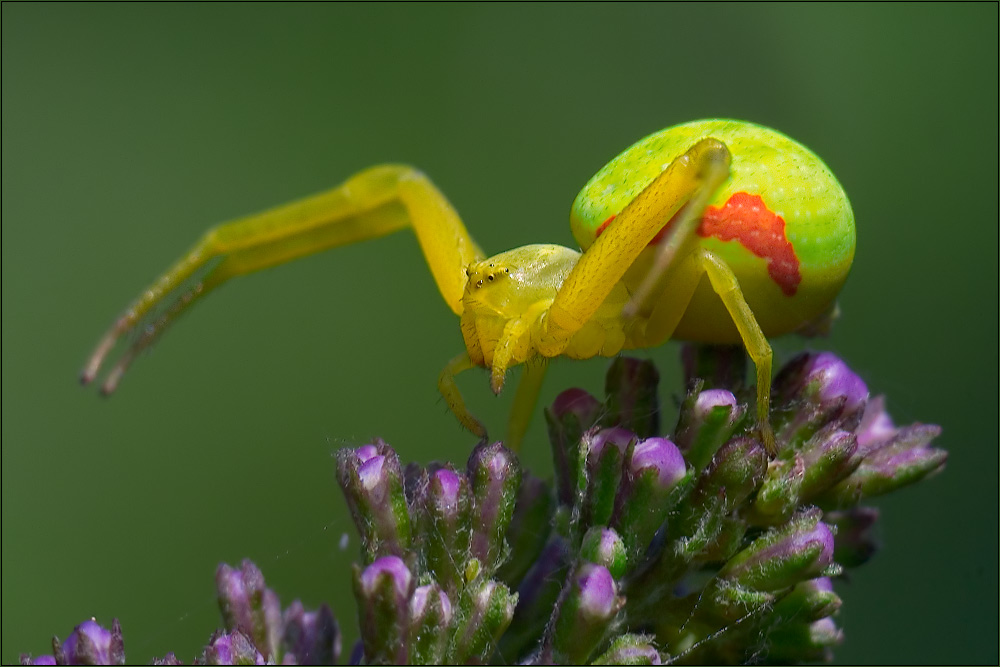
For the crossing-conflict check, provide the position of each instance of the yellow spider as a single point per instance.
(715, 231)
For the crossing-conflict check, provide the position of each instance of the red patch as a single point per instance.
(745, 218)
(604, 225)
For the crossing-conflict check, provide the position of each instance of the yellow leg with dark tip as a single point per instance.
(669, 307)
(449, 390)
(726, 286)
(373, 203)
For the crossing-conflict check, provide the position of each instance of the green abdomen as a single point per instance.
(781, 221)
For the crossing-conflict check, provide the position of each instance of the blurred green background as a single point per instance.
(129, 129)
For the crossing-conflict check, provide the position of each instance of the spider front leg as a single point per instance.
(691, 180)
(373, 203)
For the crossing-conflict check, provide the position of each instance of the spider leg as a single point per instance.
(449, 390)
(373, 203)
(679, 242)
(690, 179)
(673, 301)
(669, 304)
(525, 399)
(726, 286)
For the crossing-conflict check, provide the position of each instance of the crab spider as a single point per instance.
(715, 231)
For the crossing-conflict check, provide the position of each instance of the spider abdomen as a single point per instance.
(781, 222)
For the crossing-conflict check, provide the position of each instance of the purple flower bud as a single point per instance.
(661, 456)
(816, 389)
(906, 459)
(630, 649)
(631, 387)
(707, 420)
(431, 614)
(580, 404)
(736, 471)
(91, 644)
(424, 597)
(232, 648)
(778, 496)
(655, 481)
(484, 615)
(249, 606)
(876, 427)
(370, 472)
(615, 436)
(604, 465)
(797, 641)
(829, 456)
(444, 505)
(822, 584)
(598, 596)
(383, 590)
(366, 452)
(169, 659)
(605, 547)
(495, 476)
(705, 526)
(391, 567)
(26, 659)
(312, 637)
(825, 633)
(372, 481)
(833, 381)
(810, 601)
(855, 542)
(585, 615)
(447, 485)
(573, 413)
(710, 399)
(802, 549)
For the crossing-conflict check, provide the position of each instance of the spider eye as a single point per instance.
(490, 277)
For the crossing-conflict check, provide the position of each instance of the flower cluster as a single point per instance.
(698, 547)
(257, 631)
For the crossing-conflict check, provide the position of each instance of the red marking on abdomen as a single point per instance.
(747, 219)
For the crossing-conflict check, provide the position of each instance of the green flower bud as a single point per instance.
(372, 481)
(605, 547)
(630, 650)
(383, 591)
(486, 610)
(495, 477)
(585, 615)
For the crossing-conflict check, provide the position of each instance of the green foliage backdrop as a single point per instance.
(128, 129)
